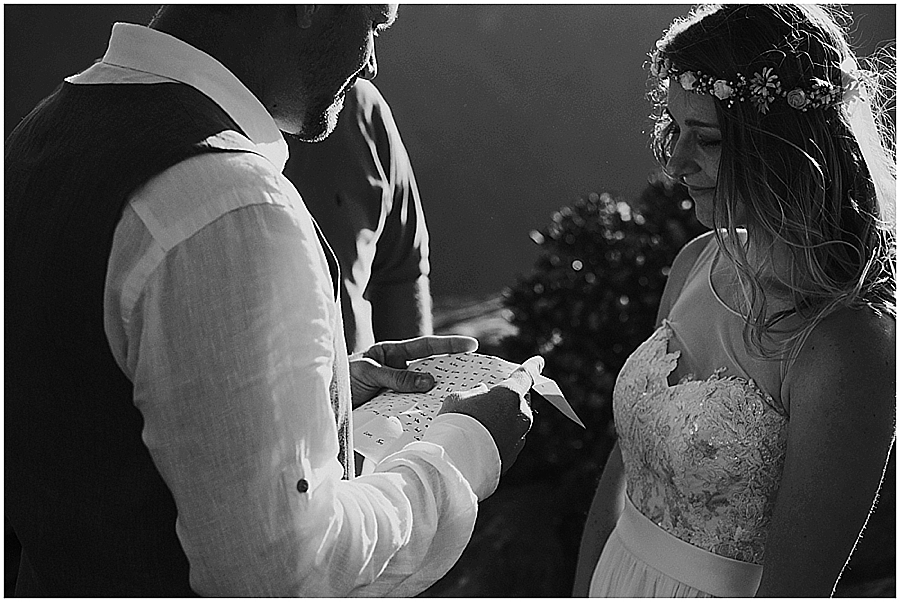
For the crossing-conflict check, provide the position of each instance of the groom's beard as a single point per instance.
(319, 123)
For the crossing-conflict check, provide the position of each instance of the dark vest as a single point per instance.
(82, 493)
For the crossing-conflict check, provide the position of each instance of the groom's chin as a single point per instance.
(320, 124)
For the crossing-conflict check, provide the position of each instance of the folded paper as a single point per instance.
(391, 420)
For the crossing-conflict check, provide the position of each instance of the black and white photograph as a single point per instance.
(450, 300)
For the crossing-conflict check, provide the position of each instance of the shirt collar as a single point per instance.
(154, 52)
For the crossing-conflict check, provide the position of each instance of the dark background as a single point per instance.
(508, 111)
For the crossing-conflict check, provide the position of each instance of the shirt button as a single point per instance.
(302, 486)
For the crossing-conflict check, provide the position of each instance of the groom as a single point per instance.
(178, 388)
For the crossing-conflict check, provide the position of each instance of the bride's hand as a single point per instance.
(383, 365)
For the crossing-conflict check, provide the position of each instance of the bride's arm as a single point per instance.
(842, 395)
(601, 520)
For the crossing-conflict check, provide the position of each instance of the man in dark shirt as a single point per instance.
(359, 186)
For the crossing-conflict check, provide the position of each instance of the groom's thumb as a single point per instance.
(401, 381)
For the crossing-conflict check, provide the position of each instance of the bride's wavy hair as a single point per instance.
(798, 178)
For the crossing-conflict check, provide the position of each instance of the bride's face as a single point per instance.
(697, 147)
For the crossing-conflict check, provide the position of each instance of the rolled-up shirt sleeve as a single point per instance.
(226, 328)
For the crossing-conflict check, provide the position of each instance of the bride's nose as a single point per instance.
(682, 162)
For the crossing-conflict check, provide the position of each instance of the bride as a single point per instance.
(754, 425)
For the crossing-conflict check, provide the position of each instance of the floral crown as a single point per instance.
(761, 89)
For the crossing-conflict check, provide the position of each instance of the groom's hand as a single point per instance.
(504, 409)
(383, 365)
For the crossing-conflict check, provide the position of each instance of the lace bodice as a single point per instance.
(703, 459)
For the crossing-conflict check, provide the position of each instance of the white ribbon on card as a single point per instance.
(549, 390)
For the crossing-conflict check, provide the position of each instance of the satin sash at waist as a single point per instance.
(693, 566)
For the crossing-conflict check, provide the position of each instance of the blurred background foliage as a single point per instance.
(589, 302)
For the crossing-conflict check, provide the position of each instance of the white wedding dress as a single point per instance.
(703, 457)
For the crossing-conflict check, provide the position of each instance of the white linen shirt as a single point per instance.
(219, 308)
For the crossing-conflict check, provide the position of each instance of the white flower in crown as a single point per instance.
(687, 80)
(659, 66)
(722, 90)
(856, 84)
(761, 82)
(796, 99)
(850, 79)
(763, 86)
(664, 70)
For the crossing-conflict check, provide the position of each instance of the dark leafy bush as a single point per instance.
(590, 301)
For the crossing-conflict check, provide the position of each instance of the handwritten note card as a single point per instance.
(392, 420)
